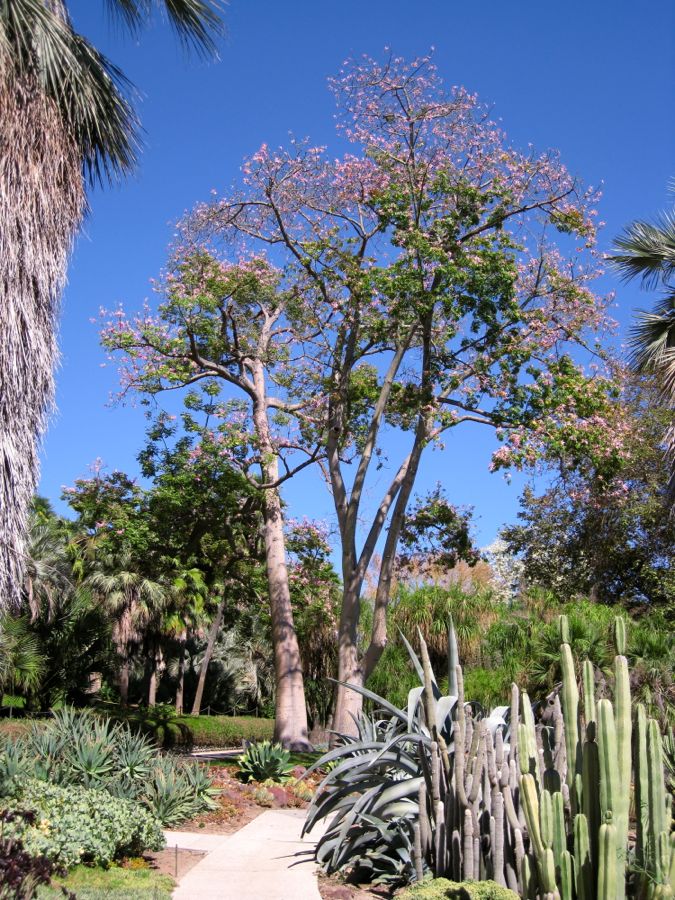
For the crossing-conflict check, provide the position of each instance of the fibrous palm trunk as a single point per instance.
(42, 201)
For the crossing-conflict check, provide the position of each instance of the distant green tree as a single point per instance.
(611, 539)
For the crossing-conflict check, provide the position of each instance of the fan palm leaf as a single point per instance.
(66, 114)
(21, 662)
(646, 250)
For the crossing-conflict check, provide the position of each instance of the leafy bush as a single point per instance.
(20, 872)
(264, 761)
(442, 889)
(78, 824)
(80, 748)
(503, 643)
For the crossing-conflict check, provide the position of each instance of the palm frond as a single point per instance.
(91, 93)
(196, 22)
(646, 250)
(21, 662)
(652, 338)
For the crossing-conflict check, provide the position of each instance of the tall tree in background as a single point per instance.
(65, 118)
(243, 327)
(416, 298)
(646, 250)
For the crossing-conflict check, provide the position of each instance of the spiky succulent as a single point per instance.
(264, 760)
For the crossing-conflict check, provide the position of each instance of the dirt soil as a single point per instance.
(332, 887)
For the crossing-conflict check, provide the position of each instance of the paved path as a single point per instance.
(258, 862)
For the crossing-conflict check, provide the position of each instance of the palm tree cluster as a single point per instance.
(158, 595)
(66, 119)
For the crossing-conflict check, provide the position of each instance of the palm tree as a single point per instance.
(65, 120)
(647, 251)
(132, 600)
(21, 661)
(48, 570)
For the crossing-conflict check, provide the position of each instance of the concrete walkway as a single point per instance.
(258, 862)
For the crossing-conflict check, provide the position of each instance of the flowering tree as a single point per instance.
(233, 324)
(433, 278)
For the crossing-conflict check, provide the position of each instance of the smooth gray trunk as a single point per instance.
(180, 690)
(208, 653)
(290, 727)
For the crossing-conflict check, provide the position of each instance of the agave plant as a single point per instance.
(264, 760)
(81, 748)
(372, 790)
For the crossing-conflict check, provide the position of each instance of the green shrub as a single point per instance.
(265, 761)
(20, 871)
(81, 748)
(78, 824)
(441, 888)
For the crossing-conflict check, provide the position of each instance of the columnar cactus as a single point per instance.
(560, 826)
(542, 809)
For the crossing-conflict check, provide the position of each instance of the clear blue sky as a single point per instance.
(594, 79)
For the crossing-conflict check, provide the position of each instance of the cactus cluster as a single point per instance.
(548, 815)
(542, 809)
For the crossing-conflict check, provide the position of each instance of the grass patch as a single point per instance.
(227, 731)
(15, 728)
(90, 883)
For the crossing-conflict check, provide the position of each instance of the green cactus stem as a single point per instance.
(546, 818)
(609, 781)
(559, 832)
(590, 712)
(622, 705)
(453, 659)
(566, 877)
(570, 709)
(607, 862)
(583, 867)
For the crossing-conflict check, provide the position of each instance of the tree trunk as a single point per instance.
(42, 200)
(290, 727)
(208, 653)
(124, 683)
(180, 690)
(156, 661)
(352, 666)
(348, 703)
